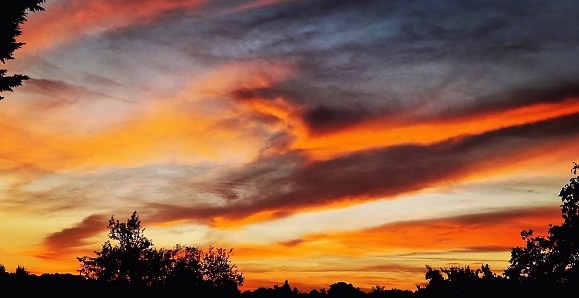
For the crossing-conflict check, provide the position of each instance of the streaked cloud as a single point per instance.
(68, 239)
(285, 185)
(397, 253)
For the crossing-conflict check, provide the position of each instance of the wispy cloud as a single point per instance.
(397, 252)
(71, 240)
(287, 184)
(92, 17)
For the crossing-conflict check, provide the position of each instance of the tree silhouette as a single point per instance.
(12, 15)
(133, 260)
(381, 292)
(125, 262)
(457, 281)
(218, 270)
(552, 260)
(344, 290)
(21, 271)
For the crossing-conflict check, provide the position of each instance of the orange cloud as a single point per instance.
(166, 136)
(72, 238)
(57, 252)
(186, 128)
(383, 132)
(279, 186)
(395, 254)
(46, 29)
(487, 231)
(495, 231)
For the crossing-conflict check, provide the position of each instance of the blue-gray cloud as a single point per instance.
(354, 61)
(360, 60)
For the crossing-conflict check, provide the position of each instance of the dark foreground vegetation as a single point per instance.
(545, 266)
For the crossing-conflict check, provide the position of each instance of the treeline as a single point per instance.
(451, 282)
(546, 266)
(442, 282)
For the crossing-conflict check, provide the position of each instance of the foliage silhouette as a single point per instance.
(457, 281)
(344, 290)
(551, 262)
(126, 262)
(133, 261)
(12, 15)
(21, 271)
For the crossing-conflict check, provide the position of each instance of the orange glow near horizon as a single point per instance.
(436, 235)
(485, 234)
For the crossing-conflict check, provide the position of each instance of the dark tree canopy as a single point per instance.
(457, 281)
(125, 262)
(13, 13)
(551, 260)
(133, 260)
(344, 290)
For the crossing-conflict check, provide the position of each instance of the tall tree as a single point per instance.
(552, 259)
(13, 13)
(218, 270)
(127, 261)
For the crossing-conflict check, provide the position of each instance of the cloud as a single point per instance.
(258, 188)
(290, 183)
(415, 60)
(559, 92)
(236, 113)
(324, 118)
(91, 17)
(74, 237)
(495, 231)
(391, 131)
(113, 190)
(199, 124)
(71, 240)
(57, 93)
(106, 16)
(394, 253)
(378, 60)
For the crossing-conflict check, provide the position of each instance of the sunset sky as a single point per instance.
(323, 140)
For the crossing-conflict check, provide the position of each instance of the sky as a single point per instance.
(322, 140)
